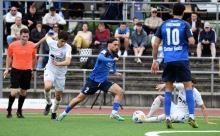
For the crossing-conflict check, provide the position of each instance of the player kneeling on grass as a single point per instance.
(179, 112)
(55, 70)
(98, 80)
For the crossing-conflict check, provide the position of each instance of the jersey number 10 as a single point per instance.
(174, 35)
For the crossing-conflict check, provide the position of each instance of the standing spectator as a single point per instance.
(15, 31)
(23, 68)
(207, 39)
(139, 41)
(196, 25)
(10, 19)
(51, 18)
(31, 17)
(101, 35)
(152, 23)
(76, 13)
(37, 33)
(83, 38)
(113, 12)
(122, 34)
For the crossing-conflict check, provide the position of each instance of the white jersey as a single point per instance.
(182, 104)
(59, 55)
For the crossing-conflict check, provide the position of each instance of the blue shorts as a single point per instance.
(178, 71)
(91, 86)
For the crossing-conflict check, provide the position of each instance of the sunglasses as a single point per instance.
(154, 12)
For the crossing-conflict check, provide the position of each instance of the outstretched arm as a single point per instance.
(204, 112)
(36, 45)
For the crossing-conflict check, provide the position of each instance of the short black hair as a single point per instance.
(52, 9)
(63, 35)
(178, 9)
(139, 24)
(122, 23)
(194, 13)
(135, 18)
(38, 22)
(24, 30)
(193, 80)
(111, 40)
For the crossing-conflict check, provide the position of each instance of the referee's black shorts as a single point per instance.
(20, 79)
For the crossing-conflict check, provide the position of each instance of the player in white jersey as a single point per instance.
(55, 70)
(179, 112)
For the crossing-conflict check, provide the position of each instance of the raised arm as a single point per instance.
(36, 45)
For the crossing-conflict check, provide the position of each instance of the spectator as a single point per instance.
(31, 17)
(15, 30)
(139, 41)
(122, 34)
(113, 12)
(56, 31)
(10, 19)
(152, 23)
(51, 18)
(37, 33)
(207, 39)
(196, 25)
(135, 21)
(76, 13)
(101, 35)
(83, 38)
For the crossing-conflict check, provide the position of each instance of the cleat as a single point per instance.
(9, 115)
(193, 123)
(117, 117)
(60, 117)
(47, 109)
(53, 116)
(169, 124)
(19, 114)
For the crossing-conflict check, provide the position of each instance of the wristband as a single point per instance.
(154, 60)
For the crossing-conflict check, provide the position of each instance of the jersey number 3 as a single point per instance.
(174, 35)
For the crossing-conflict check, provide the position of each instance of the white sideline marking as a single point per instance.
(156, 133)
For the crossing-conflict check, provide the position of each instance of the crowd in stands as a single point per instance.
(136, 37)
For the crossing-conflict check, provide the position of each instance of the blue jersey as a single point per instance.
(175, 34)
(103, 65)
(118, 30)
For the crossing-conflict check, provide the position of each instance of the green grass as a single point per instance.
(92, 125)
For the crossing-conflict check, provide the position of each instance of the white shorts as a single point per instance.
(57, 79)
(177, 115)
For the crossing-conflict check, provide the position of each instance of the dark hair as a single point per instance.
(122, 23)
(101, 23)
(139, 24)
(135, 18)
(38, 22)
(24, 30)
(52, 9)
(32, 7)
(63, 35)
(193, 80)
(178, 9)
(111, 40)
(56, 24)
(194, 13)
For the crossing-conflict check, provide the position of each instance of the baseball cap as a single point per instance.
(52, 9)
(206, 24)
(153, 9)
(50, 32)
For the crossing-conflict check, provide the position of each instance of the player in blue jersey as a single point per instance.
(177, 37)
(98, 80)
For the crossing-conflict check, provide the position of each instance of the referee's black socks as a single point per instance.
(20, 102)
(10, 102)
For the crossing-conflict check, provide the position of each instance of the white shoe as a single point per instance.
(139, 60)
(119, 53)
(60, 117)
(125, 54)
(136, 59)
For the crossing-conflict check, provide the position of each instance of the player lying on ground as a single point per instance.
(179, 112)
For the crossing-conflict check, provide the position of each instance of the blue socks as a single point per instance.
(167, 103)
(190, 101)
(67, 109)
(115, 106)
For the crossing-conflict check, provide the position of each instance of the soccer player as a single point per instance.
(177, 36)
(23, 68)
(180, 111)
(55, 70)
(98, 80)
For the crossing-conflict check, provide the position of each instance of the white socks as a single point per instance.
(47, 96)
(192, 116)
(154, 107)
(56, 105)
(155, 119)
(114, 111)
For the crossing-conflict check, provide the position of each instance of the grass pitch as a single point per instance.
(36, 124)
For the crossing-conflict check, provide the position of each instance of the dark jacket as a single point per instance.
(74, 9)
(114, 10)
(36, 36)
(198, 23)
(36, 17)
(210, 36)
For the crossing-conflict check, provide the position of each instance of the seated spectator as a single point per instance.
(152, 23)
(10, 19)
(51, 18)
(101, 36)
(15, 30)
(83, 38)
(31, 17)
(113, 12)
(135, 21)
(122, 34)
(160, 51)
(37, 33)
(196, 25)
(207, 39)
(76, 13)
(139, 41)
